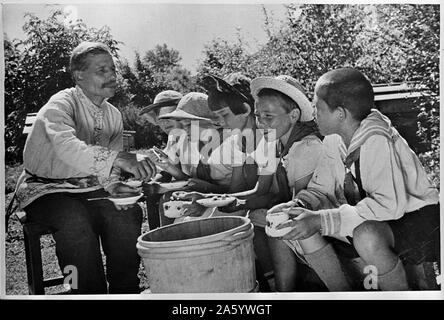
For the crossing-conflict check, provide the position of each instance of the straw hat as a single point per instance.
(167, 98)
(288, 86)
(193, 106)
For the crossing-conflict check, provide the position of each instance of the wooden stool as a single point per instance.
(34, 267)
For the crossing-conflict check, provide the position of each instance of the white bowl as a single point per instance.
(126, 201)
(271, 232)
(273, 220)
(174, 208)
(133, 183)
(173, 185)
(179, 194)
(216, 201)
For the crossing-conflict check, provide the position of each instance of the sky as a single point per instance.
(186, 27)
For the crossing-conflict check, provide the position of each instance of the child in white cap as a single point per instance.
(164, 102)
(198, 123)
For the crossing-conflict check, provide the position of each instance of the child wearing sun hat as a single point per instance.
(197, 121)
(285, 115)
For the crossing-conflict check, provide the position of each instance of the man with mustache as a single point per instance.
(73, 153)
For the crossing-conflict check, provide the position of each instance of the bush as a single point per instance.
(147, 135)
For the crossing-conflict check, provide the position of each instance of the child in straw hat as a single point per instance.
(285, 116)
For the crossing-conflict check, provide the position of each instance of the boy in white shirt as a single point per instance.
(369, 188)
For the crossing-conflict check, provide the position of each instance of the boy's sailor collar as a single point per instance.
(87, 101)
(374, 124)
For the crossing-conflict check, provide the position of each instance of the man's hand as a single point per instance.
(141, 170)
(163, 162)
(118, 188)
(160, 159)
(304, 224)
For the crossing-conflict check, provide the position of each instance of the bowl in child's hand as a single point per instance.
(124, 199)
(175, 208)
(273, 220)
(133, 183)
(175, 185)
(216, 201)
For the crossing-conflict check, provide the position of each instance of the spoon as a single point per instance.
(101, 198)
(110, 197)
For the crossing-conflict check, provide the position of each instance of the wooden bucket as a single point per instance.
(200, 256)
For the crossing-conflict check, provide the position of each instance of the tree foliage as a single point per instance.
(420, 26)
(389, 43)
(222, 58)
(157, 70)
(312, 40)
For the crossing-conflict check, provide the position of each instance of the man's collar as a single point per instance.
(87, 100)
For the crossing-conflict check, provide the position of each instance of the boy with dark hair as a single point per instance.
(231, 101)
(369, 189)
